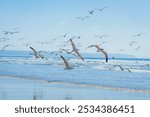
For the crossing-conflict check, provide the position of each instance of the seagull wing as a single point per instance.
(119, 67)
(106, 55)
(98, 48)
(91, 46)
(65, 62)
(79, 55)
(35, 52)
(73, 45)
(76, 50)
(4, 47)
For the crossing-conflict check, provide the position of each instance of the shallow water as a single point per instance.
(24, 77)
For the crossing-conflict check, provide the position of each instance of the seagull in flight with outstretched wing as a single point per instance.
(122, 68)
(100, 50)
(82, 18)
(36, 54)
(101, 9)
(76, 50)
(138, 35)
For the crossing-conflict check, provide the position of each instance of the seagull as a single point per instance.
(46, 42)
(68, 52)
(79, 37)
(122, 68)
(119, 67)
(132, 43)
(100, 50)
(26, 44)
(7, 46)
(91, 12)
(67, 66)
(138, 48)
(138, 35)
(101, 36)
(36, 54)
(76, 50)
(101, 9)
(4, 39)
(8, 32)
(64, 35)
(82, 18)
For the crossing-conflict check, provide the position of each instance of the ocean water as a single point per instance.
(24, 77)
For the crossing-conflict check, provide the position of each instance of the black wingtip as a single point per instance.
(106, 60)
(61, 56)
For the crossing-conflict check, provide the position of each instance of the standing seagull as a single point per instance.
(100, 50)
(36, 54)
(76, 50)
(67, 66)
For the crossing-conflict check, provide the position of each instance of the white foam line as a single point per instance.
(24, 78)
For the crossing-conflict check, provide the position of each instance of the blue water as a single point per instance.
(93, 73)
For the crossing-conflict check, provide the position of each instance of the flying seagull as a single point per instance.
(76, 50)
(101, 9)
(4, 39)
(68, 52)
(26, 44)
(138, 35)
(8, 32)
(100, 50)
(101, 36)
(122, 68)
(91, 12)
(64, 35)
(36, 54)
(132, 43)
(7, 46)
(138, 48)
(46, 42)
(82, 18)
(119, 67)
(67, 66)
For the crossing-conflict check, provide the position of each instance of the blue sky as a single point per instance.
(44, 20)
